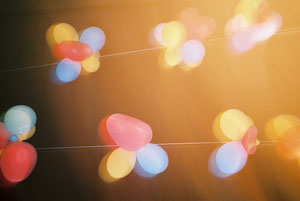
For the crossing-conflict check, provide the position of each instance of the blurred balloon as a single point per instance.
(141, 172)
(73, 50)
(4, 136)
(92, 63)
(291, 140)
(192, 52)
(249, 140)
(173, 33)
(102, 170)
(172, 56)
(212, 165)
(27, 135)
(231, 157)
(68, 70)
(158, 34)
(19, 119)
(129, 133)
(94, 37)
(234, 124)
(153, 159)
(120, 163)
(237, 23)
(198, 27)
(217, 131)
(60, 32)
(278, 125)
(248, 8)
(17, 161)
(103, 133)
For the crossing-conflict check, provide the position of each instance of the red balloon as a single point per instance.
(4, 136)
(103, 133)
(17, 161)
(73, 50)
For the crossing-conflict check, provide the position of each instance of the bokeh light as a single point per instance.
(127, 132)
(234, 124)
(92, 63)
(19, 119)
(217, 131)
(212, 165)
(153, 159)
(172, 56)
(68, 70)
(242, 41)
(157, 32)
(192, 52)
(173, 34)
(231, 157)
(248, 8)
(94, 37)
(58, 33)
(197, 27)
(120, 163)
(277, 126)
(291, 141)
(249, 140)
(237, 23)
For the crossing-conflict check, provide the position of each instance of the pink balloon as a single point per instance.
(129, 133)
(249, 140)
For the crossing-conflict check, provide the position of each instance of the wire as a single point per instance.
(265, 142)
(290, 30)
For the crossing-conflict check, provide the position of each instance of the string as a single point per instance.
(265, 142)
(290, 30)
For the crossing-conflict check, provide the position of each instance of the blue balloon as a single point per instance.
(19, 119)
(231, 157)
(94, 37)
(153, 159)
(68, 70)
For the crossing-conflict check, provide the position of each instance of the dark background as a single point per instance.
(179, 106)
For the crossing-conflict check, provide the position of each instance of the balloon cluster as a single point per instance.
(285, 129)
(73, 51)
(182, 38)
(17, 158)
(253, 22)
(132, 138)
(231, 157)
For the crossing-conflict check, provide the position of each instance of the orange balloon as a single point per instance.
(73, 50)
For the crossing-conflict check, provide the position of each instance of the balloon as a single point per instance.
(231, 157)
(60, 32)
(19, 119)
(17, 161)
(102, 170)
(153, 159)
(291, 140)
(94, 37)
(120, 163)
(68, 70)
(173, 34)
(4, 136)
(103, 133)
(92, 63)
(192, 52)
(73, 50)
(127, 132)
(27, 135)
(249, 140)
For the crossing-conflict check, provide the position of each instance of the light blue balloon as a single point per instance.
(153, 159)
(94, 37)
(231, 157)
(19, 119)
(68, 70)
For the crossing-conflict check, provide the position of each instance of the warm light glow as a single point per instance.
(158, 33)
(173, 34)
(248, 8)
(192, 52)
(172, 56)
(234, 124)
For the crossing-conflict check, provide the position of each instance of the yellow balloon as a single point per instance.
(27, 135)
(248, 8)
(284, 122)
(102, 170)
(60, 32)
(234, 124)
(92, 63)
(120, 163)
(172, 56)
(173, 33)
(217, 131)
